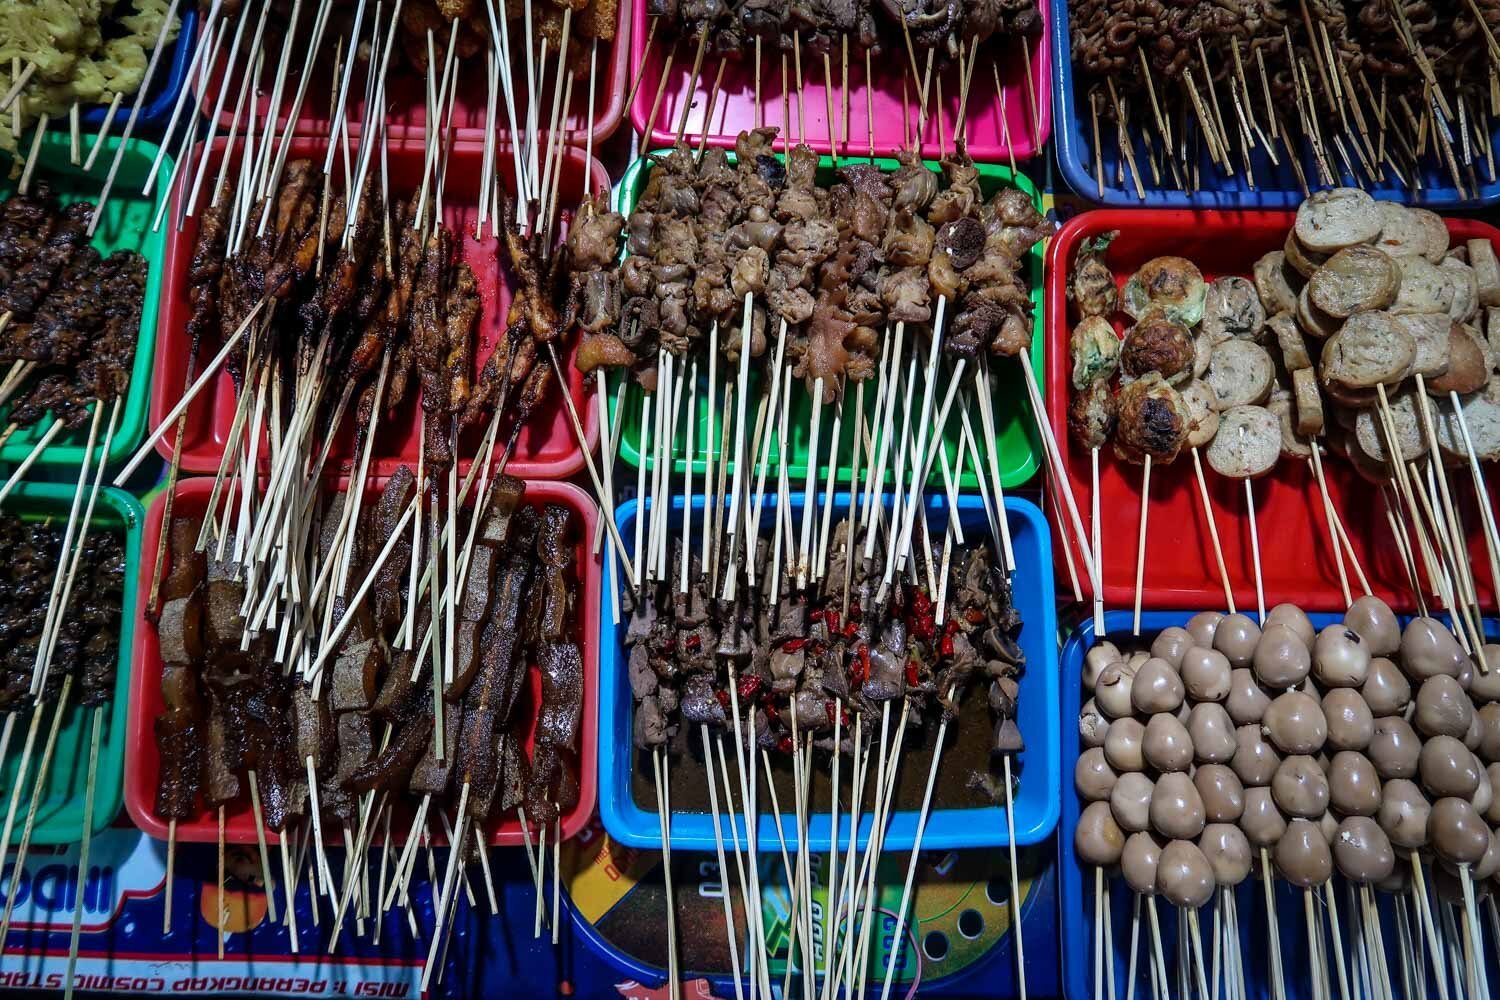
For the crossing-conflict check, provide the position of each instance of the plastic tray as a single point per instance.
(141, 777)
(547, 448)
(161, 96)
(895, 113)
(406, 90)
(59, 818)
(1297, 560)
(1077, 884)
(1275, 186)
(1040, 786)
(126, 226)
(1020, 448)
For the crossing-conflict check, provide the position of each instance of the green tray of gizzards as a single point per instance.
(60, 809)
(1018, 447)
(125, 225)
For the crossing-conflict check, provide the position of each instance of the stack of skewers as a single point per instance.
(789, 639)
(62, 618)
(355, 667)
(749, 263)
(936, 45)
(800, 678)
(1362, 338)
(1374, 93)
(384, 746)
(1352, 762)
(69, 321)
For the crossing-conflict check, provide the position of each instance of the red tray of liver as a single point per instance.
(548, 446)
(1297, 558)
(893, 114)
(406, 91)
(143, 765)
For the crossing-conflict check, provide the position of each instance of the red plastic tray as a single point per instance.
(406, 92)
(734, 108)
(142, 765)
(1297, 558)
(547, 448)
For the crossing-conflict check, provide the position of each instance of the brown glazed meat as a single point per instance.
(1153, 419)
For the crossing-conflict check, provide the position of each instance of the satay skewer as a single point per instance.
(911, 866)
(588, 455)
(1140, 543)
(686, 548)
(97, 719)
(664, 816)
(1260, 589)
(135, 108)
(741, 393)
(809, 508)
(38, 788)
(820, 565)
(21, 79)
(713, 795)
(187, 398)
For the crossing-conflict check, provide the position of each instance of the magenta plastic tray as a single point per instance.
(893, 114)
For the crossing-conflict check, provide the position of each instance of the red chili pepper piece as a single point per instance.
(793, 645)
(694, 642)
(911, 673)
(749, 687)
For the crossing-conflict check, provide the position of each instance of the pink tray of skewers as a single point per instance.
(1297, 558)
(547, 447)
(406, 85)
(858, 103)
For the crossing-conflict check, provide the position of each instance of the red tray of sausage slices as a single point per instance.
(143, 765)
(548, 446)
(1297, 558)
(406, 89)
(882, 113)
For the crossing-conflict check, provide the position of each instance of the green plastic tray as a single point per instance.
(126, 226)
(59, 818)
(1019, 448)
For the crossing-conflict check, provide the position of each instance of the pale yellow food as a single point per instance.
(75, 64)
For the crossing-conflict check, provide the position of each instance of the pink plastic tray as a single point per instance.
(548, 447)
(406, 92)
(893, 115)
(143, 765)
(1297, 558)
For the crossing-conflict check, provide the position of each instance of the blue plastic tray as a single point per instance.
(1036, 807)
(1275, 187)
(160, 96)
(1076, 889)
